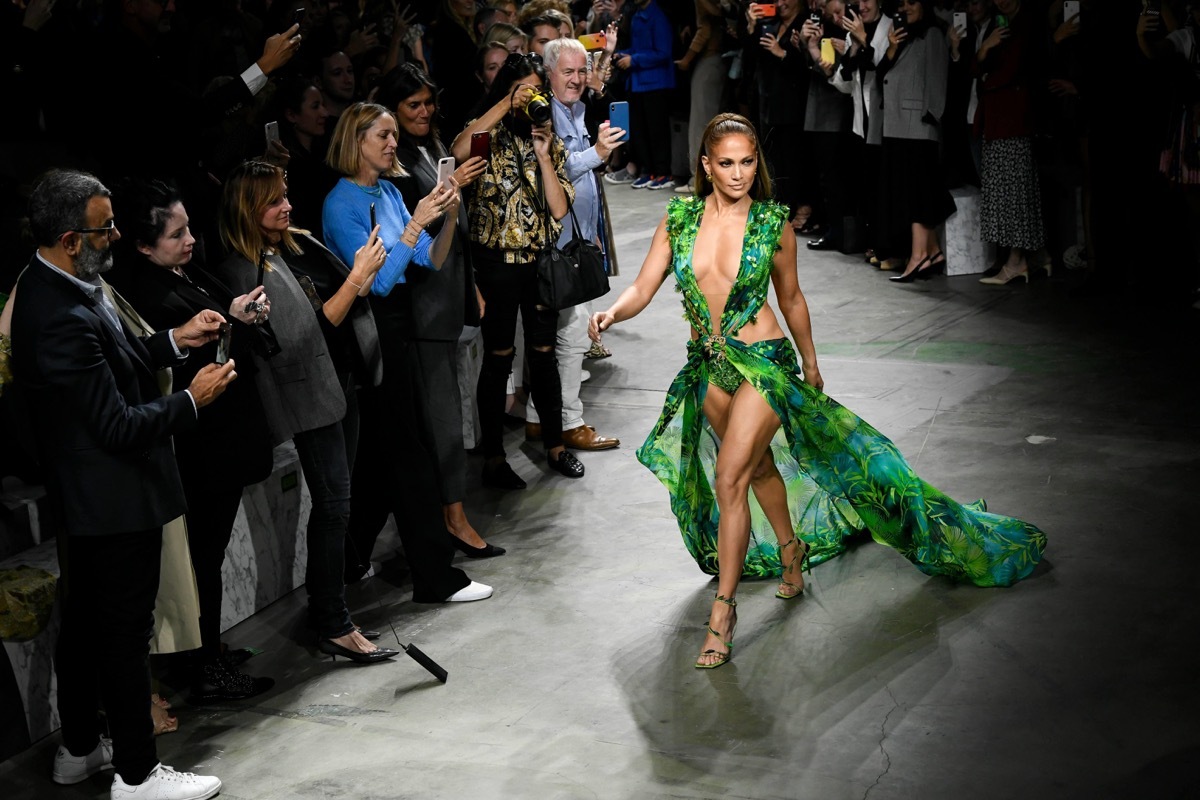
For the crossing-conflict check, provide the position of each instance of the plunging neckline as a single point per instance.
(691, 271)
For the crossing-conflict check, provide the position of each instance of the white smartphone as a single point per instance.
(272, 131)
(445, 169)
(1070, 9)
(960, 22)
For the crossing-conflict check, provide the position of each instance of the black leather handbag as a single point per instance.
(572, 274)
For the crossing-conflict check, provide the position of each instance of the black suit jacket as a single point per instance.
(103, 429)
(231, 443)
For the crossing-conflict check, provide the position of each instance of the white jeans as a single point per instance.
(571, 345)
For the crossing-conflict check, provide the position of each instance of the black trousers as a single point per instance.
(396, 472)
(104, 646)
(838, 158)
(212, 510)
(786, 148)
(650, 131)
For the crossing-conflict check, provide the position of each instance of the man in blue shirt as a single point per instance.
(649, 79)
(566, 65)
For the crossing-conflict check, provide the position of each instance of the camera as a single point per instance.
(538, 109)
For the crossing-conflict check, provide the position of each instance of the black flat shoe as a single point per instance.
(501, 476)
(810, 228)
(333, 650)
(217, 681)
(566, 464)
(487, 551)
(824, 243)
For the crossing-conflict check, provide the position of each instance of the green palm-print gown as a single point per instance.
(843, 477)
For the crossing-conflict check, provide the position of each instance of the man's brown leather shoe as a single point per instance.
(585, 438)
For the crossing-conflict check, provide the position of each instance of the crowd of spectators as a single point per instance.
(275, 163)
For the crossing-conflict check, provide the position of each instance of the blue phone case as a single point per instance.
(618, 117)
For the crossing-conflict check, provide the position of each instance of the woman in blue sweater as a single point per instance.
(395, 469)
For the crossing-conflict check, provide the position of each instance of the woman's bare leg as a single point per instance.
(745, 424)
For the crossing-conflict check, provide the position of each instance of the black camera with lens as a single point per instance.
(538, 109)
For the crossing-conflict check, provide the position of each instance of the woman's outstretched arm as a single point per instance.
(794, 309)
(638, 295)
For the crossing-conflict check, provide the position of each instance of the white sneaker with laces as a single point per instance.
(472, 591)
(164, 783)
(69, 769)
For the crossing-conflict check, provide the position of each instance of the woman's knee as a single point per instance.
(731, 484)
(765, 470)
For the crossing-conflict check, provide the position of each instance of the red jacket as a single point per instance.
(1010, 77)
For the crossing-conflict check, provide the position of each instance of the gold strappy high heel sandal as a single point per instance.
(801, 554)
(721, 658)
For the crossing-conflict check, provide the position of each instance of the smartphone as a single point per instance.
(271, 129)
(372, 219)
(1001, 21)
(814, 18)
(828, 54)
(262, 268)
(593, 41)
(960, 22)
(618, 117)
(1151, 7)
(444, 170)
(767, 9)
(224, 334)
(481, 145)
(1070, 10)
(298, 15)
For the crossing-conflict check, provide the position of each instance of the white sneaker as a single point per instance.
(70, 769)
(164, 783)
(472, 591)
(684, 188)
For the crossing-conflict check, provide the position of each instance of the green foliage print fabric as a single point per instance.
(843, 477)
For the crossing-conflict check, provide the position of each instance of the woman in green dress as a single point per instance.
(743, 416)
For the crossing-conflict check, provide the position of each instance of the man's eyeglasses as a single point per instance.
(107, 230)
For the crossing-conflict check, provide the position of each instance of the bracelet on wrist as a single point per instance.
(352, 283)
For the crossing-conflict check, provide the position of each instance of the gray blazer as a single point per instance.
(915, 86)
(299, 386)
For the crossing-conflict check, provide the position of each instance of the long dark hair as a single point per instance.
(401, 83)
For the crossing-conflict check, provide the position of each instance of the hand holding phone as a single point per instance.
(271, 130)
(960, 22)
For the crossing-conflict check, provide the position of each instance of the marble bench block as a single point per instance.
(966, 253)
(268, 551)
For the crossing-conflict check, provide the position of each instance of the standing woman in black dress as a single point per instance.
(228, 449)
(443, 300)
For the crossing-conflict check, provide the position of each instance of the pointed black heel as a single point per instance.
(936, 266)
(487, 551)
(333, 650)
(909, 277)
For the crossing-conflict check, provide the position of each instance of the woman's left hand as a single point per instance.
(542, 134)
(770, 43)
(434, 204)
(812, 376)
(252, 308)
(469, 171)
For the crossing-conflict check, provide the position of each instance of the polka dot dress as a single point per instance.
(1011, 208)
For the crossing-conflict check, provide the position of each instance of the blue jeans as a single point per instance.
(327, 473)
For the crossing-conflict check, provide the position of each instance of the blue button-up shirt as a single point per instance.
(582, 159)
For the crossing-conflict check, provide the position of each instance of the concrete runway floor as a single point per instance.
(575, 680)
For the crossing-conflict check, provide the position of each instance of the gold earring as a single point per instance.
(708, 177)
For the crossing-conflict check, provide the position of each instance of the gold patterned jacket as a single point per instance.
(502, 214)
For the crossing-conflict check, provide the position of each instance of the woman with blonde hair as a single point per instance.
(397, 470)
(742, 413)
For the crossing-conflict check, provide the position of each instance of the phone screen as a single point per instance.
(618, 117)
(1001, 21)
(224, 335)
(481, 145)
